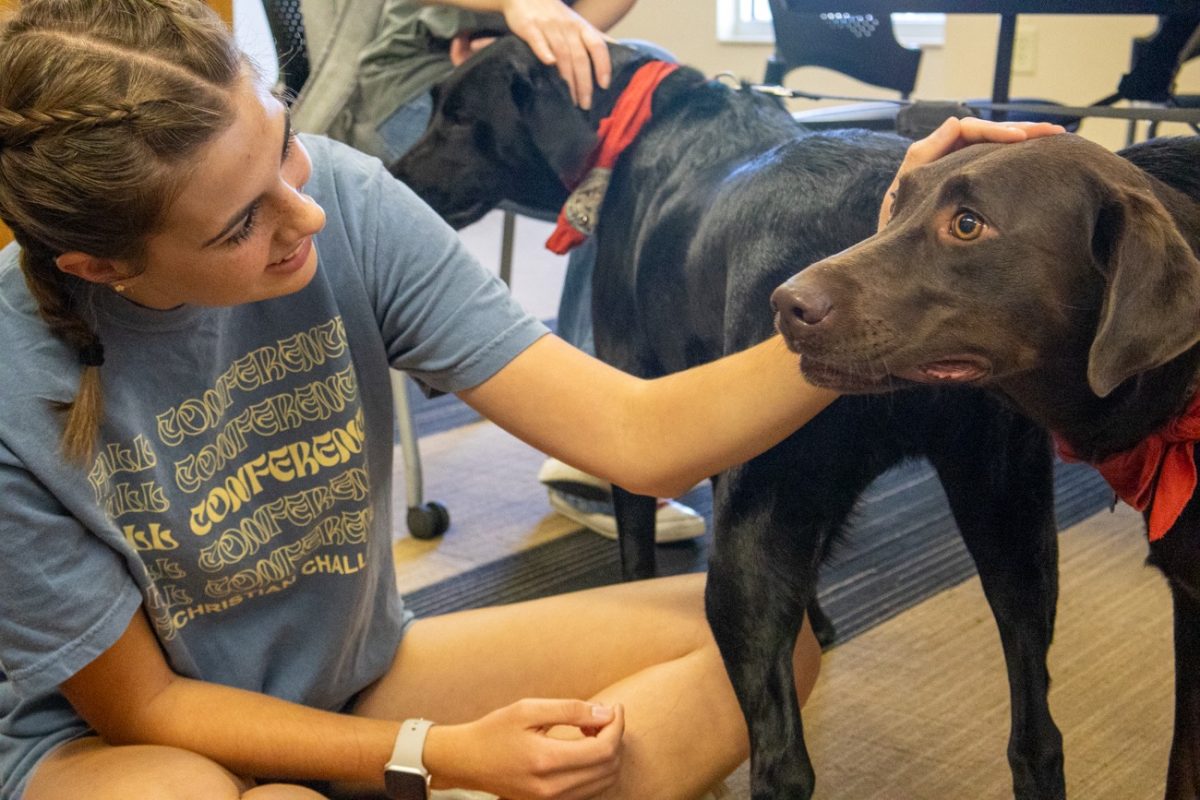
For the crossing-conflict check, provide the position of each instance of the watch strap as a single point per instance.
(410, 744)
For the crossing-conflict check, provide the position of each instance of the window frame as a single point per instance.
(739, 23)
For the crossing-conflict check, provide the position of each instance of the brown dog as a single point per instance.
(1067, 279)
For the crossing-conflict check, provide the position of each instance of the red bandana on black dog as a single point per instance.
(1159, 472)
(617, 131)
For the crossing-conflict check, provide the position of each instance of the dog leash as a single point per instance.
(1185, 115)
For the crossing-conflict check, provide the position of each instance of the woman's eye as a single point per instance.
(243, 233)
(967, 225)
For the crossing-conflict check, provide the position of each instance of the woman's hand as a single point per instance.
(955, 134)
(562, 38)
(532, 749)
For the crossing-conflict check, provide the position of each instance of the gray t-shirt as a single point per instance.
(241, 490)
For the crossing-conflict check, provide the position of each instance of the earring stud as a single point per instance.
(118, 287)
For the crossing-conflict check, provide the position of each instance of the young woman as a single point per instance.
(196, 591)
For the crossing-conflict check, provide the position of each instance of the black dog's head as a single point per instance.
(1050, 256)
(503, 127)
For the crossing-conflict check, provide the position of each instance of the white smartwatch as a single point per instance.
(405, 776)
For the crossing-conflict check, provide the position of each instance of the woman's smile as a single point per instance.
(293, 260)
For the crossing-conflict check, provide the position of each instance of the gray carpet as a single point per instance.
(912, 702)
(902, 548)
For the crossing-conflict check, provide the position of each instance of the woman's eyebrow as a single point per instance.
(241, 215)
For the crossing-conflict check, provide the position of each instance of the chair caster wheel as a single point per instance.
(428, 521)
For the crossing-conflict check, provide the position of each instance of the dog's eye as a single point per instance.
(967, 225)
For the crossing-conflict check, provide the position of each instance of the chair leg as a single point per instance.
(424, 520)
(507, 239)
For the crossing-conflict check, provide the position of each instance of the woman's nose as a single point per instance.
(302, 216)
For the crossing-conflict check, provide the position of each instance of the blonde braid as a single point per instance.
(103, 104)
(17, 129)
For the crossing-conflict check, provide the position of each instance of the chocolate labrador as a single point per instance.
(717, 199)
(1066, 279)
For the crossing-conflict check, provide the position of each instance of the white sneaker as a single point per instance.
(673, 522)
(563, 477)
(717, 792)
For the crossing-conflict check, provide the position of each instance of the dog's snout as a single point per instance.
(800, 305)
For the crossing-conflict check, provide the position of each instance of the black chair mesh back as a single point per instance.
(1156, 59)
(287, 28)
(862, 46)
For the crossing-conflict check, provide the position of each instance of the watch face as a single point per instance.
(405, 784)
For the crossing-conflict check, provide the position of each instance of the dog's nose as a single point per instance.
(800, 305)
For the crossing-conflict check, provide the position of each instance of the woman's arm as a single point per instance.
(129, 695)
(656, 437)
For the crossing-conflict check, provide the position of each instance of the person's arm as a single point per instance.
(558, 35)
(130, 695)
(659, 437)
(655, 437)
(603, 13)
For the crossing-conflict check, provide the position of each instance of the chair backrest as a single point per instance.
(1156, 58)
(287, 29)
(862, 46)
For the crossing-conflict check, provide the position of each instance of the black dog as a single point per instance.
(720, 197)
(1066, 279)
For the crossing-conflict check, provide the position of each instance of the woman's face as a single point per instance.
(241, 229)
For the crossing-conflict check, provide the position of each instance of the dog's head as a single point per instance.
(503, 128)
(999, 260)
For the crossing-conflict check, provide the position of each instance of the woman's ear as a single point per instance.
(91, 268)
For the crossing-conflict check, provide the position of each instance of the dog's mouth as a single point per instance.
(956, 369)
(868, 378)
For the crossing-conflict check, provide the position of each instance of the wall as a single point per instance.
(1078, 59)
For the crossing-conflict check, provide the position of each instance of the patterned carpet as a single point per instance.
(912, 703)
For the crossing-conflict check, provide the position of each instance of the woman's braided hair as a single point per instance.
(103, 103)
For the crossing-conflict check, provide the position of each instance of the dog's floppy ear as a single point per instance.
(560, 131)
(1151, 310)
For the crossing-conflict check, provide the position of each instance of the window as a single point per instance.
(750, 21)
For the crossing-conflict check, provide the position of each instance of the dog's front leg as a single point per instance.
(635, 533)
(997, 470)
(761, 577)
(1178, 556)
(1183, 771)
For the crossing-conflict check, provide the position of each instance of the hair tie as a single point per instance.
(92, 355)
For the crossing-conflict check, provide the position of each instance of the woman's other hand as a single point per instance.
(955, 134)
(530, 750)
(562, 38)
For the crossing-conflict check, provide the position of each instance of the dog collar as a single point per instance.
(1159, 472)
(617, 131)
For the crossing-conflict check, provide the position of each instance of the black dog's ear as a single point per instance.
(560, 130)
(1152, 299)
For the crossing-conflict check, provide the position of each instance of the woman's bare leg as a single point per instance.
(646, 645)
(98, 771)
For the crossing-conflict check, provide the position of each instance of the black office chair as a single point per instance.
(1190, 51)
(862, 46)
(425, 520)
(1154, 64)
(287, 29)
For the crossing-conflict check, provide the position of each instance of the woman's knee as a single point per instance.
(90, 768)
